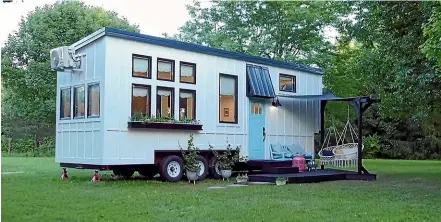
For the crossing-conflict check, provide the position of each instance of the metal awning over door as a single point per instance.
(259, 82)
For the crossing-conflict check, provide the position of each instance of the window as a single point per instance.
(188, 72)
(166, 69)
(141, 100)
(79, 101)
(93, 100)
(65, 103)
(256, 108)
(164, 102)
(187, 104)
(287, 83)
(227, 98)
(141, 66)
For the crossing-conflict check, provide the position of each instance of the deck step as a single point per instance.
(280, 170)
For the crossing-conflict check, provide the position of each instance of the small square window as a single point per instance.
(79, 102)
(166, 69)
(65, 103)
(287, 83)
(93, 100)
(188, 72)
(164, 102)
(187, 104)
(141, 66)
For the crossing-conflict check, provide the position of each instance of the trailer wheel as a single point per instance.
(214, 168)
(125, 172)
(203, 167)
(171, 168)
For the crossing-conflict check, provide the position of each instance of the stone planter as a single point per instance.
(226, 174)
(240, 180)
(192, 176)
(280, 182)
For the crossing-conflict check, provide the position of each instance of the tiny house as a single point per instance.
(127, 101)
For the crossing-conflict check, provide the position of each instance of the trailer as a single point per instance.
(126, 101)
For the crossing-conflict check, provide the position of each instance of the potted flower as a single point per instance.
(226, 160)
(242, 179)
(190, 162)
(281, 181)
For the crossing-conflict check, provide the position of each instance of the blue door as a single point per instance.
(256, 145)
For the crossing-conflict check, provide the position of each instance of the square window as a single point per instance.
(188, 72)
(141, 66)
(141, 100)
(227, 98)
(65, 103)
(187, 104)
(93, 100)
(166, 69)
(164, 102)
(79, 102)
(287, 83)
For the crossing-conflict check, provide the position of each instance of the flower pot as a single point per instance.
(226, 173)
(280, 182)
(192, 176)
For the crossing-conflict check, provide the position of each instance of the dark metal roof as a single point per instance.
(259, 82)
(208, 50)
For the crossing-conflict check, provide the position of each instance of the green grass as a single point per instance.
(404, 191)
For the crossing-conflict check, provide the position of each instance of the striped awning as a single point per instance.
(259, 82)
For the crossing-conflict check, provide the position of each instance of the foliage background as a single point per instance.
(389, 50)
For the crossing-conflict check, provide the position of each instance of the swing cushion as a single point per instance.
(327, 153)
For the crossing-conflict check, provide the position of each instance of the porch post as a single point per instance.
(322, 121)
(360, 135)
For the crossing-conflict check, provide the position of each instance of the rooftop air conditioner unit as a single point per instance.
(63, 58)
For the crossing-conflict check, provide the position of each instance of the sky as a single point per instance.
(154, 18)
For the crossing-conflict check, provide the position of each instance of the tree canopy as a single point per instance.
(29, 85)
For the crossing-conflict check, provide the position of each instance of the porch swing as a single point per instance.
(344, 153)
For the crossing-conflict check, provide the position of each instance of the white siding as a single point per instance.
(81, 140)
(107, 140)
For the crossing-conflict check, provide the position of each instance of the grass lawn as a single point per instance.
(404, 191)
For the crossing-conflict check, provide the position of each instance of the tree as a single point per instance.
(289, 31)
(28, 82)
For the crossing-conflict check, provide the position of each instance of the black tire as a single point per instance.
(163, 168)
(148, 171)
(212, 169)
(125, 172)
(203, 175)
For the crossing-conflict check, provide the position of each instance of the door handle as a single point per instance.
(264, 134)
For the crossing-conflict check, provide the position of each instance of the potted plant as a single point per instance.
(226, 160)
(190, 162)
(281, 181)
(242, 179)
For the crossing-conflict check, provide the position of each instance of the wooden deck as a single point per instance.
(313, 176)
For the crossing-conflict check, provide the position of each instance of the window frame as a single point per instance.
(172, 99)
(236, 103)
(294, 82)
(99, 100)
(70, 102)
(149, 87)
(194, 100)
(149, 59)
(194, 71)
(172, 62)
(85, 104)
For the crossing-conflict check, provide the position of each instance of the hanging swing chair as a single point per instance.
(326, 152)
(344, 153)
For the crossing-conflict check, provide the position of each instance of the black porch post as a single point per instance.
(322, 121)
(360, 135)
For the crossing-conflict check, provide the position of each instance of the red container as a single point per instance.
(300, 162)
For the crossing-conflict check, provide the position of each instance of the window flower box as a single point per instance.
(139, 121)
(164, 125)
